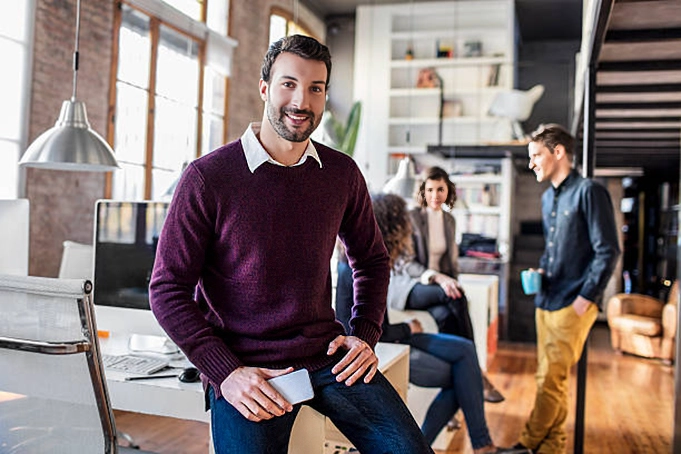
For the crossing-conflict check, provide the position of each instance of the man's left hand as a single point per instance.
(360, 360)
(581, 305)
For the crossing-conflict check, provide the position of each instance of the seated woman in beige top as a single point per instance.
(435, 265)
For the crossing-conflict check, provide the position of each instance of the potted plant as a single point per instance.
(343, 136)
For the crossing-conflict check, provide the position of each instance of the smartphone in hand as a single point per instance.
(295, 387)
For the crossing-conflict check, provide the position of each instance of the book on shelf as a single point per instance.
(481, 224)
(493, 77)
(481, 195)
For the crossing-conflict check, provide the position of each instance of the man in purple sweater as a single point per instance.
(242, 279)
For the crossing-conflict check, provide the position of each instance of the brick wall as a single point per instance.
(250, 22)
(62, 203)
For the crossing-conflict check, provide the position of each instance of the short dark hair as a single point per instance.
(300, 45)
(553, 134)
(435, 174)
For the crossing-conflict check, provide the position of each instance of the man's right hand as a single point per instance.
(247, 389)
(359, 361)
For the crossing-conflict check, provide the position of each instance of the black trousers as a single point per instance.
(451, 315)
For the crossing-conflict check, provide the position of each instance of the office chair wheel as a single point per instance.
(129, 440)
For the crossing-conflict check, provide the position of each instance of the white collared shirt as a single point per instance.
(256, 155)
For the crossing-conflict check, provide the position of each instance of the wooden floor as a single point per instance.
(629, 406)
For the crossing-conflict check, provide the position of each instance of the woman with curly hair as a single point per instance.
(440, 360)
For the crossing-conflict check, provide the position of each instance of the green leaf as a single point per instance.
(349, 138)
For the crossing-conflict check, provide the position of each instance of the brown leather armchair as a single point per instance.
(643, 325)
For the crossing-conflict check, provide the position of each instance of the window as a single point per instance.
(169, 104)
(191, 8)
(15, 30)
(283, 23)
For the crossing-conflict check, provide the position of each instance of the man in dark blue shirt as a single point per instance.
(579, 258)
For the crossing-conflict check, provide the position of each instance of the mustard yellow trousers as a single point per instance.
(561, 336)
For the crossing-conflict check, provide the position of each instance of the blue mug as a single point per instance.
(531, 281)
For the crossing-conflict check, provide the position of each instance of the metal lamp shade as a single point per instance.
(404, 182)
(70, 144)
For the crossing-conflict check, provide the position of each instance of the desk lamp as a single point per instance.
(404, 181)
(71, 144)
(516, 105)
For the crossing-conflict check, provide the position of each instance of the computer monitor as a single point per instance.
(126, 236)
(14, 228)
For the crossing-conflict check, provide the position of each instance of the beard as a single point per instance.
(277, 119)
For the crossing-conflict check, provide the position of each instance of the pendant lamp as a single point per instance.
(71, 144)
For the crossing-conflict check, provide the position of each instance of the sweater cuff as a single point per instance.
(427, 276)
(217, 365)
(366, 331)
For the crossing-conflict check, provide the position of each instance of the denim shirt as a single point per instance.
(581, 242)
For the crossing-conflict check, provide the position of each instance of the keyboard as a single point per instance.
(142, 365)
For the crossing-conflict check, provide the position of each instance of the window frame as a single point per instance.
(155, 10)
(291, 19)
(27, 44)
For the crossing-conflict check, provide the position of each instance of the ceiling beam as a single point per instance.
(640, 105)
(638, 143)
(610, 153)
(623, 98)
(639, 159)
(672, 120)
(647, 88)
(639, 65)
(640, 125)
(650, 154)
(642, 130)
(642, 36)
(636, 134)
(666, 167)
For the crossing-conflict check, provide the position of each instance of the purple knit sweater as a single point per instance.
(242, 273)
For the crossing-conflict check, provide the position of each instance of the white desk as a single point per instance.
(170, 397)
(482, 292)
(160, 396)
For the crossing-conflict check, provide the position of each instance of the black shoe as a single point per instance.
(513, 450)
(490, 393)
(522, 447)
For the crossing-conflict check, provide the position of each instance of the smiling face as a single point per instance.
(542, 161)
(553, 166)
(295, 96)
(435, 193)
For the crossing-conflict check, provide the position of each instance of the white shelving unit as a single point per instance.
(484, 189)
(484, 201)
(395, 42)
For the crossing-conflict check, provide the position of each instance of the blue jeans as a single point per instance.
(449, 362)
(372, 416)
(435, 361)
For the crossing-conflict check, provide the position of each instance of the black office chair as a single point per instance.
(53, 394)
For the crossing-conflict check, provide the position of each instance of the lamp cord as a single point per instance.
(295, 12)
(75, 53)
